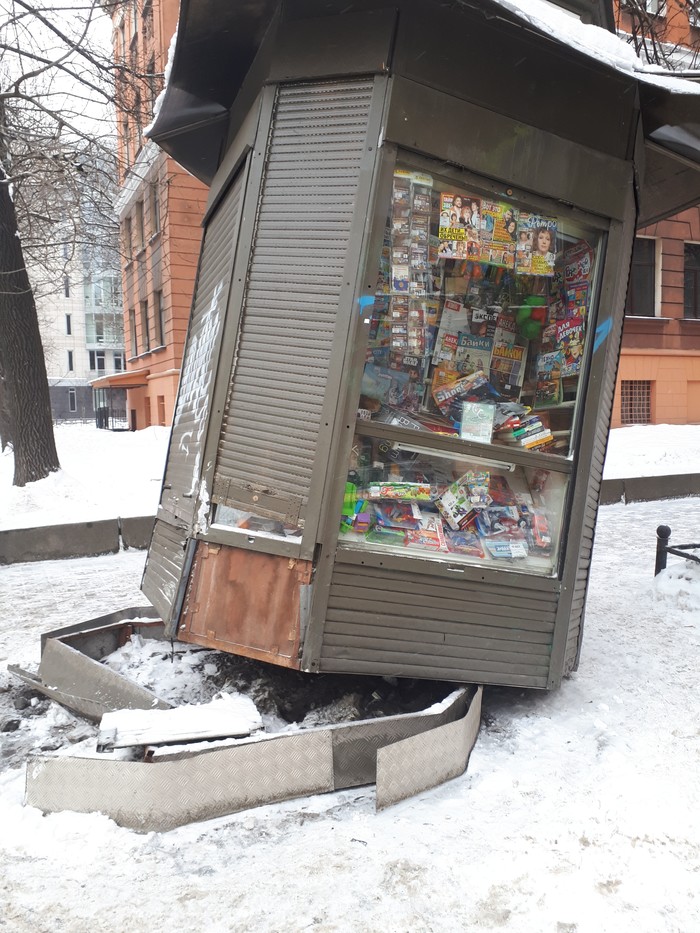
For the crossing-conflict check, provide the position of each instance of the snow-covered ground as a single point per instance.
(580, 810)
(109, 475)
(104, 474)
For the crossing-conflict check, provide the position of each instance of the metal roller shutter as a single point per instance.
(273, 412)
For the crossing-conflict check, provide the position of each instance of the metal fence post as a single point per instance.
(663, 533)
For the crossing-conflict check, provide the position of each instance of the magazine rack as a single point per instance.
(396, 391)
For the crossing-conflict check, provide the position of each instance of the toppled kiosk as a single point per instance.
(392, 418)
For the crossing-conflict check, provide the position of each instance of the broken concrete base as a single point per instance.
(407, 754)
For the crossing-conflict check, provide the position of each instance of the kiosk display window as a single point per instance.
(476, 352)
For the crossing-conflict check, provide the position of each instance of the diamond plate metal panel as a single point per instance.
(85, 686)
(355, 745)
(423, 761)
(163, 794)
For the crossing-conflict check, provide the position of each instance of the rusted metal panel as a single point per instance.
(245, 602)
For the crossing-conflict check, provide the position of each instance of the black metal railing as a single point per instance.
(663, 549)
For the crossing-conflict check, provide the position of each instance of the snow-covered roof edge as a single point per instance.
(604, 47)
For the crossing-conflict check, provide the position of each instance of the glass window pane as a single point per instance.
(641, 289)
(480, 323)
(406, 499)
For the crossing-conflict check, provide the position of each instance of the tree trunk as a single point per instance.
(25, 387)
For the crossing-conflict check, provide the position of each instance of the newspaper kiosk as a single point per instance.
(392, 418)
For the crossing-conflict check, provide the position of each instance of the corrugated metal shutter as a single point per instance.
(389, 622)
(273, 413)
(589, 519)
(183, 468)
(164, 566)
(166, 556)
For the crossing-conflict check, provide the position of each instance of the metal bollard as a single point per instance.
(663, 533)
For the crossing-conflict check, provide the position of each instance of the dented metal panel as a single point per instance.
(160, 795)
(274, 409)
(415, 764)
(85, 686)
(168, 791)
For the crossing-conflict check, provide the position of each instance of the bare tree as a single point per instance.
(663, 32)
(57, 177)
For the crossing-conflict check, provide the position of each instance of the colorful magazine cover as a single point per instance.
(570, 340)
(508, 369)
(458, 225)
(578, 262)
(473, 353)
(483, 321)
(536, 244)
(548, 387)
(498, 233)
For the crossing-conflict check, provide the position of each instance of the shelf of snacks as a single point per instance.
(477, 344)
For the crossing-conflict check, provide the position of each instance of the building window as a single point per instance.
(140, 229)
(160, 317)
(655, 7)
(144, 327)
(127, 142)
(70, 361)
(138, 119)
(641, 290)
(691, 280)
(118, 362)
(66, 286)
(132, 333)
(128, 239)
(97, 360)
(161, 410)
(72, 401)
(69, 329)
(635, 401)
(147, 17)
(155, 209)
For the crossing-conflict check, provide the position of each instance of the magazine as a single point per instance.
(508, 369)
(548, 388)
(570, 337)
(498, 233)
(454, 318)
(458, 503)
(483, 321)
(536, 244)
(473, 353)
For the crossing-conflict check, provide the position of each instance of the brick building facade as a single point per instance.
(659, 376)
(160, 207)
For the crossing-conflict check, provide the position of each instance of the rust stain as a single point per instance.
(245, 603)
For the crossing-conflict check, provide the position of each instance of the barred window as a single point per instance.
(636, 401)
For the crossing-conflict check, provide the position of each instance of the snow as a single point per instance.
(104, 474)
(579, 812)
